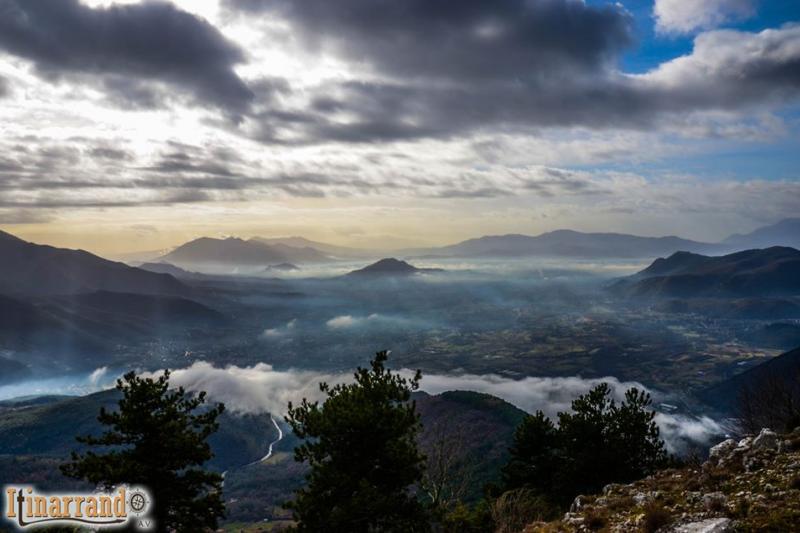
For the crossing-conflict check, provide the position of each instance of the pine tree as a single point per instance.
(158, 438)
(598, 442)
(361, 446)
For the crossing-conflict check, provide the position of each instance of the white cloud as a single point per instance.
(255, 389)
(97, 376)
(281, 331)
(344, 321)
(350, 321)
(261, 388)
(685, 16)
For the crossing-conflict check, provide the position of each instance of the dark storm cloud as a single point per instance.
(453, 68)
(466, 40)
(124, 43)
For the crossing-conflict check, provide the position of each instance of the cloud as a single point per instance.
(72, 385)
(469, 40)
(685, 16)
(678, 430)
(255, 389)
(281, 331)
(96, 377)
(554, 395)
(441, 69)
(22, 216)
(728, 70)
(344, 321)
(262, 388)
(125, 45)
(375, 319)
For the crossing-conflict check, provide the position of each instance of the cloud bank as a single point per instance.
(262, 388)
(119, 46)
(685, 16)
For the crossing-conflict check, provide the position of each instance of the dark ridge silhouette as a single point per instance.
(29, 269)
(752, 273)
(163, 309)
(726, 394)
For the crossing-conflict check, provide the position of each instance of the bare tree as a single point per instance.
(773, 401)
(448, 472)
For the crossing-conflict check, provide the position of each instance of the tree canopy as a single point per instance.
(599, 442)
(361, 446)
(157, 438)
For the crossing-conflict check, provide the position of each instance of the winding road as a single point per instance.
(269, 450)
(273, 443)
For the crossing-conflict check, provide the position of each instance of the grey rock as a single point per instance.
(577, 503)
(710, 525)
(745, 443)
(722, 449)
(766, 440)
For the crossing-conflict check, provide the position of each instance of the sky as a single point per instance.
(130, 126)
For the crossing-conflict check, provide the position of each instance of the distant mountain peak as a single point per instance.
(785, 232)
(390, 266)
(236, 251)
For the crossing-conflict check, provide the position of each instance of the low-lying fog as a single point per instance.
(263, 389)
(457, 268)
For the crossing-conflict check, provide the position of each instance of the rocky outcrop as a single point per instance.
(749, 484)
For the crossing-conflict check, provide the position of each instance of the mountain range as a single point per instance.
(259, 251)
(772, 271)
(65, 310)
(340, 252)
(34, 269)
(235, 251)
(784, 233)
(568, 243)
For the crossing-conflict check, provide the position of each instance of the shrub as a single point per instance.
(655, 517)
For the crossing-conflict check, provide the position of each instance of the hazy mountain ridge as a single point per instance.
(328, 249)
(559, 243)
(236, 251)
(784, 233)
(568, 243)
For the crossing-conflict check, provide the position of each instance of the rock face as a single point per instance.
(751, 484)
